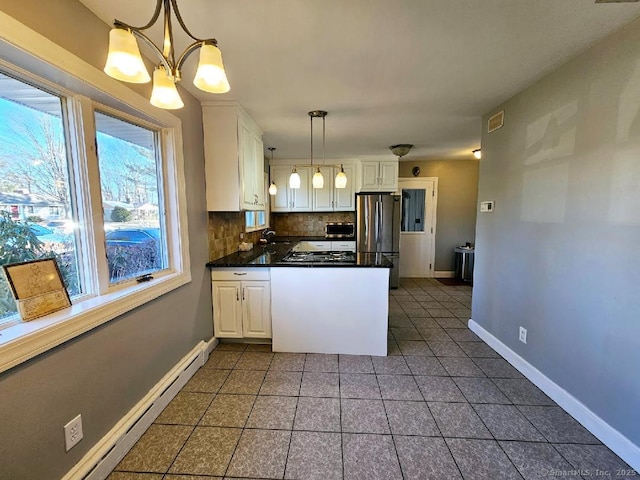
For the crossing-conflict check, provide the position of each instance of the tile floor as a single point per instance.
(442, 405)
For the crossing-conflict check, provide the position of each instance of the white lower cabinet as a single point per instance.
(241, 303)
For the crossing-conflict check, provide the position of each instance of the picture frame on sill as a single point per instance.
(37, 287)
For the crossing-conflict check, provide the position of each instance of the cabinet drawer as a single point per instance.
(347, 246)
(240, 274)
(308, 246)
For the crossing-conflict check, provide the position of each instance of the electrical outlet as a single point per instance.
(73, 432)
(523, 335)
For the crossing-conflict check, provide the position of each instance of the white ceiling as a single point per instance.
(387, 71)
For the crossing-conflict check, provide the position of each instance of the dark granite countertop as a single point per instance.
(271, 255)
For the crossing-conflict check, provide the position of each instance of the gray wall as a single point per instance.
(102, 374)
(560, 255)
(457, 196)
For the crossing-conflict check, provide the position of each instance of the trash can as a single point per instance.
(464, 263)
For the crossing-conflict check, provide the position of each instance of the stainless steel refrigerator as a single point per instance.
(378, 228)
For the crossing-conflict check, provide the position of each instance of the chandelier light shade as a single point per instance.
(125, 63)
(341, 179)
(210, 76)
(477, 153)
(272, 186)
(165, 94)
(294, 178)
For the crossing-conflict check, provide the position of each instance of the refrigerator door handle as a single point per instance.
(378, 227)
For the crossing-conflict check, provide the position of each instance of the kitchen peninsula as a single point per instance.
(328, 306)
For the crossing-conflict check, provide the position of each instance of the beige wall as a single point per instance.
(103, 373)
(457, 200)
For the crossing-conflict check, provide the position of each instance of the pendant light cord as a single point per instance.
(323, 142)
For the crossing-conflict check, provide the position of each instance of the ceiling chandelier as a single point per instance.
(124, 61)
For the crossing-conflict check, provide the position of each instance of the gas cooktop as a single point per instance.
(320, 257)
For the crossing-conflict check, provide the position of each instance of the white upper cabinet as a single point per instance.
(379, 176)
(309, 199)
(234, 159)
(331, 199)
(291, 199)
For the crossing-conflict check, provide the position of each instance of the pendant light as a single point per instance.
(272, 186)
(294, 178)
(341, 178)
(318, 178)
(124, 61)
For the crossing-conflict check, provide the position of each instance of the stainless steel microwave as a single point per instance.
(339, 230)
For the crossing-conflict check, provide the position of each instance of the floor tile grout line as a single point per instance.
(247, 419)
(293, 420)
(393, 440)
(340, 416)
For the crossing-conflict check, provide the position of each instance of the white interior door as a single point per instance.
(418, 226)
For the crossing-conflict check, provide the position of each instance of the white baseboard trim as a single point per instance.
(612, 438)
(98, 463)
(444, 274)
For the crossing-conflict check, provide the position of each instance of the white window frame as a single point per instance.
(267, 210)
(31, 55)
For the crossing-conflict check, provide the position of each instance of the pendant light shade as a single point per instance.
(210, 76)
(294, 178)
(341, 179)
(164, 93)
(318, 179)
(124, 61)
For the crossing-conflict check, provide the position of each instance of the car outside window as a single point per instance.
(131, 198)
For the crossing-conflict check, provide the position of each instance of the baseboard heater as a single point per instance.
(98, 463)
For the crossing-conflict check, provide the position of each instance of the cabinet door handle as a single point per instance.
(237, 294)
(242, 293)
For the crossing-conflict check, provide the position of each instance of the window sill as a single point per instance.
(25, 340)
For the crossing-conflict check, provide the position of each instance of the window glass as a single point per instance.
(413, 206)
(130, 184)
(35, 191)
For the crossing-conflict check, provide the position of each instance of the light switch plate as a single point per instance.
(487, 207)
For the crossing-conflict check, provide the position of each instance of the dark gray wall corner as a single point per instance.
(559, 255)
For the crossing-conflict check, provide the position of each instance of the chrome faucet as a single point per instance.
(268, 234)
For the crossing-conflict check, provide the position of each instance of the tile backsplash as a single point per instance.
(224, 233)
(225, 228)
(307, 224)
